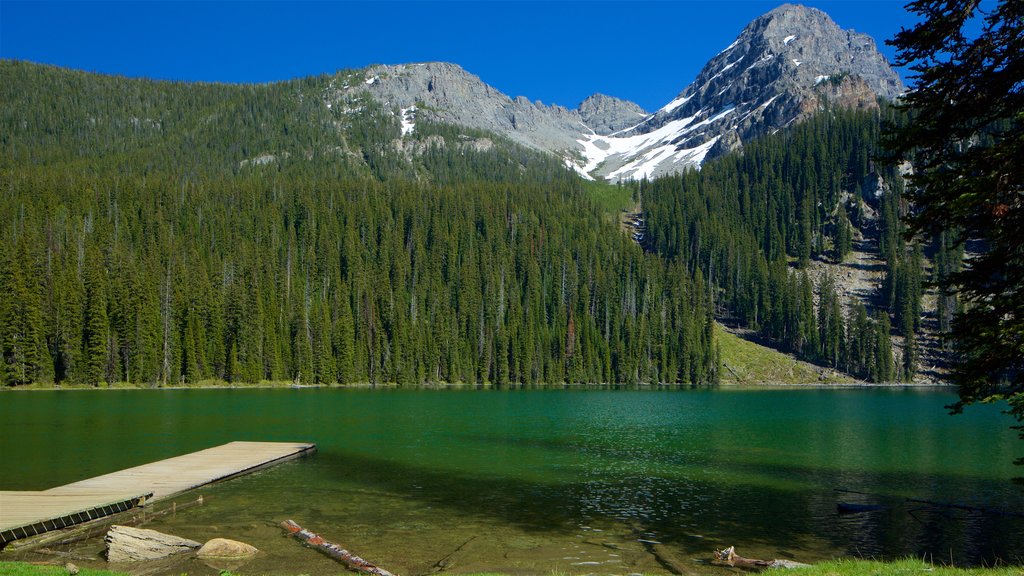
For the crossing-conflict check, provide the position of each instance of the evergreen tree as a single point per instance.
(964, 141)
(882, 367)
(94, 322)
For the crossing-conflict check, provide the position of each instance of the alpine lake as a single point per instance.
(542, 481)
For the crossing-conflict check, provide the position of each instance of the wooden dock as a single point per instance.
(24, 514)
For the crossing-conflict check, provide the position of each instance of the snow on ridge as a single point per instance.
(372, 79)
(634, 126)
(644, 152)
(643, 167)
(788, 39)
(820, 79)
(724, 70)
(764, 58)
(675, 103)
(646, 164)
(598, 148)
(730, 46)
(797, 62)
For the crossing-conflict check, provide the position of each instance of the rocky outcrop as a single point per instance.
(126, 544)
(444, 92)
(606, 114)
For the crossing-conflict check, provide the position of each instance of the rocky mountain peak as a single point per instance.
(810, 36)
(606, 114)
(782, 67)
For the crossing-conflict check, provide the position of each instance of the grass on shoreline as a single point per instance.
(746, 362)
(906, 567)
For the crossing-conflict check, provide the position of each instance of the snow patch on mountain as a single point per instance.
(675, 103)
(647, 165)
(647, 154)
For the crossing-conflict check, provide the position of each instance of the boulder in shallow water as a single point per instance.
(126, 544)
(224, 548)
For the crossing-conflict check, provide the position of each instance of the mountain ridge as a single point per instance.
(782, 67)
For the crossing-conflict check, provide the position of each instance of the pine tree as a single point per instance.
(882, 368)
(94, 323)
(844, 236)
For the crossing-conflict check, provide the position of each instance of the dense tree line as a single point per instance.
(751, 222)
(168, 258)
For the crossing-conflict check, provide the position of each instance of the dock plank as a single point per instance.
(37, 512)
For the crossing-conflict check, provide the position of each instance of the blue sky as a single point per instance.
(557, 52)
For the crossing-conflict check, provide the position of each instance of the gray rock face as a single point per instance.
(607, 114)
(126, 544)
(783, 67)
(446, 93)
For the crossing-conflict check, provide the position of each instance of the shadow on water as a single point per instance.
(699, 515)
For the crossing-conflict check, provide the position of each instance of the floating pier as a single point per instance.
(24, 514)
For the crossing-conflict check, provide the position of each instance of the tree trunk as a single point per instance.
(729, 557)
(347, 558)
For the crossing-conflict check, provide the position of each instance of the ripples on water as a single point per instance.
(528, 482)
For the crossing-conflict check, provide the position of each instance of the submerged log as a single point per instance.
(347, 558)
(447, 562)
(729, 557)
(666, 557)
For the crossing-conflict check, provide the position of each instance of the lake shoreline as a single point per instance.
(838, 567)
(482, 387)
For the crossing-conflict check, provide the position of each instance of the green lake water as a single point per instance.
(526, 482)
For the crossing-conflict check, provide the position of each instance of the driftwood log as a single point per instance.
(350, 560)
(729, 557)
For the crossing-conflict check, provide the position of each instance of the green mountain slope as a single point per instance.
(162, 232)
(768, 228)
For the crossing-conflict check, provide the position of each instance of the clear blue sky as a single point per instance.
(557, 52)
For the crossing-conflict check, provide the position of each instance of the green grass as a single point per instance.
(611, 198)
(25, 569)
(907, 567)
(746, 362)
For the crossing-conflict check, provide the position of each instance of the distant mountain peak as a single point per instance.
(781, 68)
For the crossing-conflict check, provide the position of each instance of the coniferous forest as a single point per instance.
(752, 222)
(165, 233)
(142, 244)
